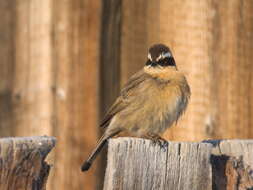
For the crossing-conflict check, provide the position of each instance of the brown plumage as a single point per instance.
(152, 100)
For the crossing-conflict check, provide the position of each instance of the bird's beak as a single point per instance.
(153, 64)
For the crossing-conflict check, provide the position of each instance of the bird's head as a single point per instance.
(159, 55)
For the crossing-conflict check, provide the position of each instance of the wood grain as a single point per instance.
(32, 79)
(7, 49)
(109, 68)
(139, 164)
(232, 162)
(22, 162)
(75, 56)
(58, 57)
(212, 43)
(139, 31)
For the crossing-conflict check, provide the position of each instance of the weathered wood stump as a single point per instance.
(138, 164)
(22, 164)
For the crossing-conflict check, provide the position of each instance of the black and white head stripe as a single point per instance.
(167, 54)
(163, 55)
(158, 51)
(160, 55)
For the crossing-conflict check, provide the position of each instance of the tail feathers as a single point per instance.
(102, 141)
(86, 166)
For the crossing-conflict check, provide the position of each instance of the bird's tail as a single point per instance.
(102, 141)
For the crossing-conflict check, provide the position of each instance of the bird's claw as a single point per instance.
(161, 142)
(157, 140)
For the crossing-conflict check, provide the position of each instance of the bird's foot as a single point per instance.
(156, 139)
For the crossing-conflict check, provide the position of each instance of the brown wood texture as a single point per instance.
(232, 164)
(32, 79)
(49, 80)
(139, 164)
(110, 53)
(76, 64)
(191, 37)
(212, 42)
(109, 73)
(7, 46)
(22, 162)
(139, 30)
(63, 63)
(25, 68)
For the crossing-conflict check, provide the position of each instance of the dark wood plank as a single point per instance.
(22, 162)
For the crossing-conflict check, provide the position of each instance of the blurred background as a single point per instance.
(63, 62)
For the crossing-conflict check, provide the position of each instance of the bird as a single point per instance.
(150, 102)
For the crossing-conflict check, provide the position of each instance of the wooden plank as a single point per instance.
(7, 49)
(187, 28)
(22, 162)
(232, 69)
(32, 79)
(110, 53)
(75, 55)
(232, 163)
(188, 166)
(234, 148)
(109, 71)
(25, 50)
(138, 32)
(138, 164)
(212, 43)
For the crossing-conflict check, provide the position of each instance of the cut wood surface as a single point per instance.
(22, 164)
(140, 164)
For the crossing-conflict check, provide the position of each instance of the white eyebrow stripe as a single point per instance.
(168, 54)
(149, 57)
(158, 58)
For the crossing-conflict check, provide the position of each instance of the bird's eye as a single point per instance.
(167, 61)
(163, 61)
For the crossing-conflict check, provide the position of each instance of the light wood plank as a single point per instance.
(139, 164)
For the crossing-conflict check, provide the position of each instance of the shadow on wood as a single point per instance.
(22, 164)
(139, 164)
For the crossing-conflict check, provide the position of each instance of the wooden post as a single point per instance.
(22, 164)
(75, 53)
(212, 43)
(139, 164)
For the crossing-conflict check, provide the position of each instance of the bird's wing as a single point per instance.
(123, 100)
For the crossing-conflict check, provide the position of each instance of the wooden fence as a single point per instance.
(138, 164)
(22, 162)
(62, 64)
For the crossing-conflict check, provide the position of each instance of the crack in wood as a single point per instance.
(209, 165)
